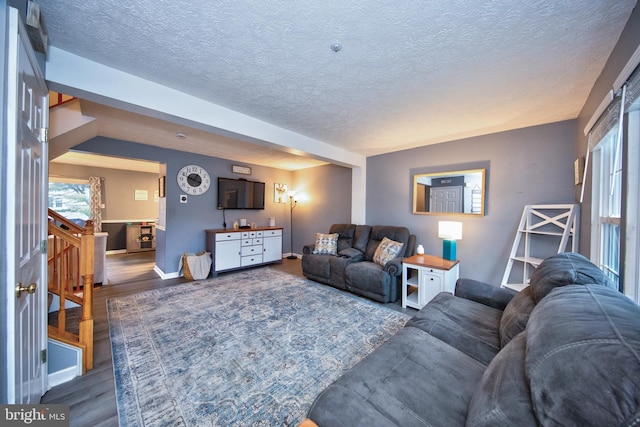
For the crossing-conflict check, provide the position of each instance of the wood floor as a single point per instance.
(91, 398)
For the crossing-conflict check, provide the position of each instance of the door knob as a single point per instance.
(28, 289)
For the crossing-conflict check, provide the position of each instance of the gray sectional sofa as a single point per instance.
(352, 267)
(565, 351)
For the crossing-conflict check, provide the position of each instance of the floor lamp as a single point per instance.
(292, 204)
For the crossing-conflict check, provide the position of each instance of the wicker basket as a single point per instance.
(204, 258)
(185, 268)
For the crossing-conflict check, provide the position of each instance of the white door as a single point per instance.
(446, 199)
(27, 164)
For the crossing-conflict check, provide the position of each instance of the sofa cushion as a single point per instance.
(386, 251)
(471, 327)
(583, 357)
(379, 232)
(368, 279)
(566, 268)
(346, 235)
(516, 315)
(337, 267)
(413, 379)
(502, 397)
(326, 244)
(361, 238)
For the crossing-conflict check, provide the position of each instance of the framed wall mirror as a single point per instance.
(456, 192)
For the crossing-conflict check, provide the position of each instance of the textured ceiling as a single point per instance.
(409, 73)
(124, 125)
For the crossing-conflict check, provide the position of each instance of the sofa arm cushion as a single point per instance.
(394, 266)
(484, 293)
(307, 249)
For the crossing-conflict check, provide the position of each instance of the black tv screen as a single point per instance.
(240, 194)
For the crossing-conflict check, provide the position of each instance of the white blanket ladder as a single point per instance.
(543, 231)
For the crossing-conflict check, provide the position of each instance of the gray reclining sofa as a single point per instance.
(352, 267)
(565, 351)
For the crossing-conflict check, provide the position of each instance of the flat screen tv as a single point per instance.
(240, 194)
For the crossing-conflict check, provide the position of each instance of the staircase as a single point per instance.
(71, 269)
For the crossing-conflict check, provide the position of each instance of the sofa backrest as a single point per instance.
(583, 357)
(379, 232)
(563, 269)
(363, 232)
(576, 363)
(346, 235)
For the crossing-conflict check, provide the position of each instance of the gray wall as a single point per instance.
(118, 196)
(525, 166)
(626, 46)
(328, 201)
(185, 223)
(118, 189)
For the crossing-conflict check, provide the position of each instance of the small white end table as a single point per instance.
(424, 276)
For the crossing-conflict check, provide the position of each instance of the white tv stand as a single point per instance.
(233, 249)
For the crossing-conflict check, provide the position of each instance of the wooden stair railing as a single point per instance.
(71, 264)
(56, 98)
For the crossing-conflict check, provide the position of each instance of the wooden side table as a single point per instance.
(424, 276)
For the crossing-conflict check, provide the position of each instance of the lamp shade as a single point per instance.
(450, 230)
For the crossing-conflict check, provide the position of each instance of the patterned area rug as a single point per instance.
(249, 348)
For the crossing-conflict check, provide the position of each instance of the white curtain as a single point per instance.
(95, 183)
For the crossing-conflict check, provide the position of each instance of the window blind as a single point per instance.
(607, 121)
(632, 101)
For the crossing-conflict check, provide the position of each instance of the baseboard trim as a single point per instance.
(63, 376)
(116, 251)
(165, 276)
(55, 350)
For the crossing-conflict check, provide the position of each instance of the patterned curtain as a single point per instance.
(96, 201)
